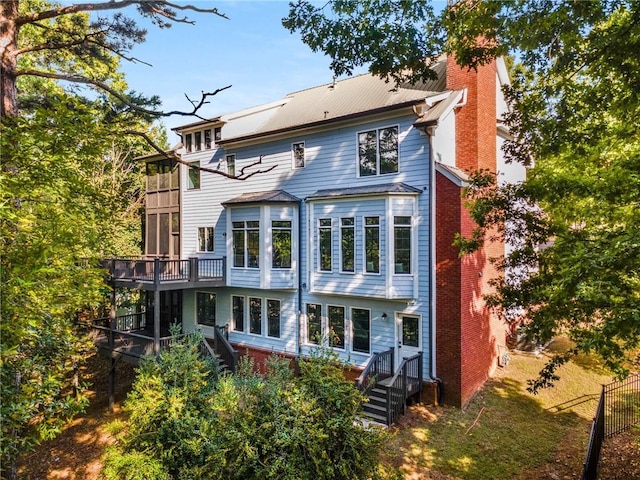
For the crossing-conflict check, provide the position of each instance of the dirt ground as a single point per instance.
(76, 454)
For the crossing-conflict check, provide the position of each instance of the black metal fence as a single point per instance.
(618, 410)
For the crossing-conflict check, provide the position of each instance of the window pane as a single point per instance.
(209, 239)
(175, 223)
(281, 242)
(389, 150)
(231, 164)
(201, 240)
(253, 248)
(367, 153)
(163, 175)
(207, 138)
(255, 315)
(336, 326)
(198, 141)
(273, 318)
(164, 234)
(238, 313)
(324, 244)
(175, 179)
(152, 177)
(372, 245)
(347, 235)
(152, 234)
(217, 133)
(402, 244)
(410, 332)
(361, 329)
(298, 155)
(206, 308)
(238, 248)
(314, 323)
(194, 176)
(188, 142)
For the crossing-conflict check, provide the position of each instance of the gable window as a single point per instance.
(273, 318)
(198, 141)
(336, 326)
(361, 322)
(402, 244)
(188, 142)
(231, 164)
(297, 153)
(237, 313)
(206, 308)
(372, 244)
(255, 315)
(193, 181)
(378, 151)
(347, 244)
(246, 244)
(205, 239)
(314, 323)
(207, 139)
(324, 244)
(281, 243)
(217, 133)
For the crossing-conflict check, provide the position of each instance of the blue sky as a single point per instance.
(251, 51)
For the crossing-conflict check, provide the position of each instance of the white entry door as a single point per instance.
(409, 336)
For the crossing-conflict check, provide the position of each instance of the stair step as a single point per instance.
(382, 419)
(367, 407)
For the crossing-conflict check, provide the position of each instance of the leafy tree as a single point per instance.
(575, 268)
(190, 423)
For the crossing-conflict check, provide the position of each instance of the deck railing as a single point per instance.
(406, 382)
(223, 348)
(159, 270)
(379, 367)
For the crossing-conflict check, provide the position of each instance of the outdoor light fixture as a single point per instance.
(384, 315)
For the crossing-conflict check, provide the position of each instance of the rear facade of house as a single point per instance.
(340, 233)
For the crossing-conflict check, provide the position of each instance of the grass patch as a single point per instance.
(504, 432)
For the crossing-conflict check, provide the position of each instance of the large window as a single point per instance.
(205, 239)
(324, 244)
(255, 315)
(238, 313)
(378, 151)
(361, 322)
(273, 318)
(402, 244)
(347, 244)
(194, 176)
(281, 243)
(206, 308)
(336, 326)
(372, 244)
(314, 323)
(297, 153)
(246, 244)
(231, 164)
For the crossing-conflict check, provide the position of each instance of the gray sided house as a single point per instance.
(342, 239)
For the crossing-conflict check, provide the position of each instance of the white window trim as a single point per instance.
(293, 156)
(352, 333)
(262, 317)
(306, 326)
(319, 257)
(353, 227)
(364, 246)
(270, 234)
(377, 129)
(244, 315)
(235, 161)
(246, 242)
(411, 246)
(345, 324)
(266, 318)
(213, 233)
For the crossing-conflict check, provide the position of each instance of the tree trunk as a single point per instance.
(8, 58)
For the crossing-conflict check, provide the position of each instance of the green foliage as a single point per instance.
(247, 426)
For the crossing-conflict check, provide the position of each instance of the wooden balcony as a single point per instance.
(165, 274)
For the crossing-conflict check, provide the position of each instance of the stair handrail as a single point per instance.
(228, 354)
(379, 367)
(398, 390)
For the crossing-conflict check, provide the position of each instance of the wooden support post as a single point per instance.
(156, 321)
(112, 384)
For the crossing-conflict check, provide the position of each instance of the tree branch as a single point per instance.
(121, 96)
(175, 157)
(111, 5)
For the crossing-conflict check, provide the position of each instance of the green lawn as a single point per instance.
(504, 432)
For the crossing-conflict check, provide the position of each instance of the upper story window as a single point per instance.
(347, 244)
(402, 245)
(197, 141)
(297, 155)
(205, 239)
(246, 244)
(324, 245)
(207, 139)
(217, 133)
(162, 175)
(193, 181)
(188, 142)
(201, 139)
(281, 243)
(231, 164)
(378, 151)
(372, 244)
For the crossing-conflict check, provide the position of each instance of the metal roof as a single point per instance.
(273, 196)
(365, 190)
